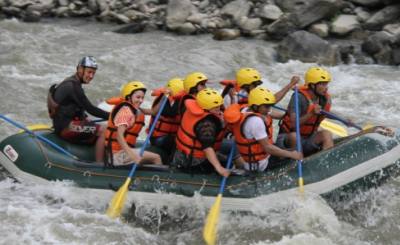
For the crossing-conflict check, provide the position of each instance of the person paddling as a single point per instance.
(124, 125)
(192, 84)
(200, 135)
(68, 105)
(313, 97)
(246, 80)
(253, 130)
(168, 123)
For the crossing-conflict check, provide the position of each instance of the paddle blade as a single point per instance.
(117, 203)
(210, 228)
(334, 128)
(368, 126)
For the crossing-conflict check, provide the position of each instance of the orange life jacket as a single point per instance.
(186, 140)
(250, 149)
(166, 125)
(312, 124)
(111, 143)
(182, 100)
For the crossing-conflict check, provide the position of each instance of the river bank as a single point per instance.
(329, 32)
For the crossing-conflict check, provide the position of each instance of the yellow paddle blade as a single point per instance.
(117, 203)
(334, 128)
(35, 127)
(301, 185)
(368, 126)
(210, 228)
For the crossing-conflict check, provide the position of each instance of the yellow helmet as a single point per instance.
(209, 98)
(192, 80)
(246, 76)
(175, 85)
(316, 75)
(261, 96)
(130, 87)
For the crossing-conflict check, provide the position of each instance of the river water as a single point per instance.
(34, 56)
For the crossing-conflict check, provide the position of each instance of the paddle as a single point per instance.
(298, 139)
(117, 203)
(330, 126)
(344, 121)
(54, 145)
(210, 228)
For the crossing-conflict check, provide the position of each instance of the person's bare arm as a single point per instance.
(280, 94)
(212, 158)
(276, 151)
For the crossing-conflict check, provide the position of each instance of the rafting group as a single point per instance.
(192, 121)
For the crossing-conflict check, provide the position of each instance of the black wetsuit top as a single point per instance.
(72, 104)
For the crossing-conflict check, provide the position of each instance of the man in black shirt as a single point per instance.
(68, 104)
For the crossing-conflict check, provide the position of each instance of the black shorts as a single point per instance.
(81, 132)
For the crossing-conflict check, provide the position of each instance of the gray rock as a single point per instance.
(12, 11)
(322, 9)
(307, 47)
(270, 12)
(21, 3)
(392, 28)
(32, 16)
(307, 15)
(367, 3)
(120, 18)
(42, 5)
(396, 56)
(177, 13)
(135, 27)
(197, 18)
(133, 14)
(103, 5)
(320, 29)
(204, 4)
(62, 11)
(344, 24)
(186, 29)
(63, 3)
(236, 9)
(376, 42)
(281, 27)
(294, 5)
(249, 24)
(362, 15)
(226, 34)
(93, 6)
(388, 14)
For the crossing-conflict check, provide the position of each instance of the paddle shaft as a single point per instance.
(344, 121)
(228, 166)
(38, 136)
(331, 116)
(153, 125)
(118, 201)
(210, 228)
(298, 136)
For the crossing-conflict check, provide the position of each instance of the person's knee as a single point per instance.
(326, 136)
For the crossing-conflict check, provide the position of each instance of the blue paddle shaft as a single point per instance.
(228, 166)
(298, 136)
(153, 125)
(345, 122)
(36, 135)
(331, 116)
